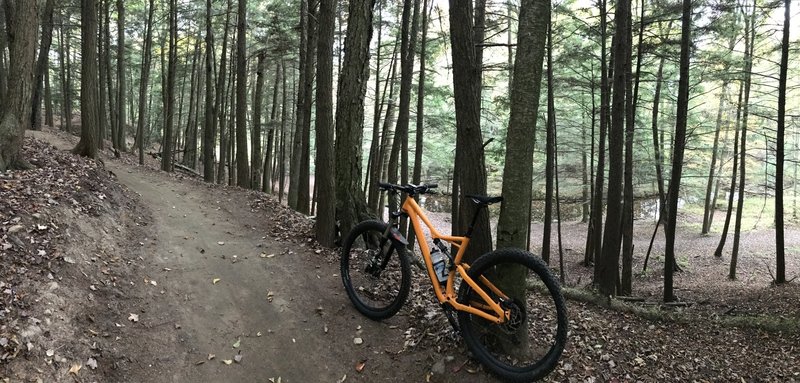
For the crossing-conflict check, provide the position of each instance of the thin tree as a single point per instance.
(242, 166)
(119, 139)
(210, 120)
(22, 22)
(220, 105)
(169, 105)
(780, 255)
(42, 63)
(325, 168)
(550, 151)
(678, 149)
(87, 146)
(147, 52)
(416, 176)
(255, 130)
(749, 42)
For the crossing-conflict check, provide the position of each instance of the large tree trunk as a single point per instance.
(210, 120)
(324, 175)
(679, 145)
(66, 88)
(242, 166)
(351, 204)
(471, 168)
(377, 110)
(303, 190)
(512, 227)
(780, 270)
(122, 119)
(15, 114)
(607, 266)
(190, 136)
(302, 100)
(169, 107)
(145, 79)
(284, 142)
(48, 100)
(111, 93)
(42, 64)
(87, 146)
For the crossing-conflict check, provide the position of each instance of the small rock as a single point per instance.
(358, 341)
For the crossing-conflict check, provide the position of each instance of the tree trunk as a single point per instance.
(284, 141)
(87, 146)
(780, 256)
(550, 151)
(220, 104)
(190, 141)
(210, 119)
(63, 63)
(103, 68)
(632, 97)
(272, 136)
(144, 81)
(471, 168)
(678, 149)
(607, 265)
(662, 197)
(325, 168)
(122, 119)
(750, 32)
(169, 107)
(3, 63)
(112, 94)
(48, 100)
(42, 64)
(22, 17)
(512, 227)
(255, 131)
(242, 166)
(302, 100)
(710, 204)
(378, 162)
(418, 144)
(351, 204)
(303, 190)
(378, 108)
(596, 225)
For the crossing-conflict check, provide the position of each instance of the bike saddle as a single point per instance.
(484, 200)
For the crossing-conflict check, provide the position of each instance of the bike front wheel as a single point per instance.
(529, 344)
(375, 270)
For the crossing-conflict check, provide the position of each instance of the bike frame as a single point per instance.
(491, 310)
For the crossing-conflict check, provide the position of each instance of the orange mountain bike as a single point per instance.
(508, 308)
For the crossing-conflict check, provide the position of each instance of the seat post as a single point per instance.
(474, 220)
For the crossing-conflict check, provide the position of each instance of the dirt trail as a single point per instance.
(210, 279)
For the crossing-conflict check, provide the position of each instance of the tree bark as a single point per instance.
(144, 81)
(255, 131)
(325, 227)
(471, 167)
(351, 204)
(87, 146)
(780, 256)
(169, 107)
(302, 99)
(122, 119)
(210, 119)
(220, 105)
(550, 150)
(242, 166)
(303, 191)
(190, 135)
(22, 23)
(42, 63)
(272, 136)
(679, 145)
(749, 42)
(512, 227)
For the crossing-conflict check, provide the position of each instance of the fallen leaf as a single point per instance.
(343, 378)
(74, 369)
(358, 340)
(220, 243)
(133, 318)
(92, 363)
(211, 356)
(50, 352)
(215, 281)
(360, 365)
(238, 343)
(237, 358)
(227, 361)
(154, 283)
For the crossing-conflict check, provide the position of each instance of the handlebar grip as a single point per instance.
(432, 186)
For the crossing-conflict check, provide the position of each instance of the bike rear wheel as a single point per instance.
(375, 271)
(528, 345)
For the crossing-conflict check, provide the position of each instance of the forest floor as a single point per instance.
(114, 272)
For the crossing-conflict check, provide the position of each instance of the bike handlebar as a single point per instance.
(409, 189)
